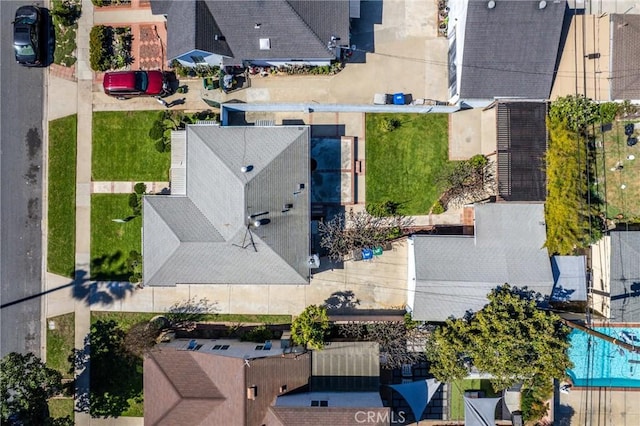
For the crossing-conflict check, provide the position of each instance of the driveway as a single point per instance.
(403, 53)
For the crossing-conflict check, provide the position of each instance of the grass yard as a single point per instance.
(112, 242)
(61, 407)
(459, 387)
(402, 163)
(615, 152)
(128, 319)
(122, 149)
(61, 220)
(60, 344)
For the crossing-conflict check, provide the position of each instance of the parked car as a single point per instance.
(27, 33)
(128, 84)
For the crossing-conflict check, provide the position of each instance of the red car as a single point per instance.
(128, 84)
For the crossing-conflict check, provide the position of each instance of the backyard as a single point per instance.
(62, 196)
(405, 153)
(111, 242)
(123, 150)
(620, 165)
(459, 387)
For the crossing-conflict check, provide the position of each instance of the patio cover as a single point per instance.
(417, 394)
(480, 411)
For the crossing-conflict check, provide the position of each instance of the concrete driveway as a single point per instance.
(396, 38)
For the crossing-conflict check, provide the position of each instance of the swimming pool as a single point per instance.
(598, 363)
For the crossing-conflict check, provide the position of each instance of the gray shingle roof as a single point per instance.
(511, 50)
(625, 276)
(625, 57)
(199, 238)
(455, 273)
(570, 278)
(296, 29)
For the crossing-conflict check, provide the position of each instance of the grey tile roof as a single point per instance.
(511, 50)
(199, 238)
(455, 273)
(521, 146)
(296, 29)
(625, 57)
(625, 276)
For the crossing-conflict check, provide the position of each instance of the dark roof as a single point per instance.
(511, 50)
(205, 237)
(625, 57)
(296, 29)
(338, 416)
(625, 276)
(522, 144)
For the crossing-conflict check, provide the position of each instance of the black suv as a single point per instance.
(26, 36)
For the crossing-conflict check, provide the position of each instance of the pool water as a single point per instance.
(598, 363)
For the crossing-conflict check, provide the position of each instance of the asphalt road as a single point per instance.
(21, 116)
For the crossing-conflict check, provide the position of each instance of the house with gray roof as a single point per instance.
(274, 32)
(503, 49)
(452, 274)
(244, 216)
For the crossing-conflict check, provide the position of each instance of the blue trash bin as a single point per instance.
(398, 98)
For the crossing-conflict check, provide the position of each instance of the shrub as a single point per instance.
(135, 202)
(478, 161)
(608, 112)
(437, 208)
(157, 130)
(258, 334)
(160, 146)
(140, 188)
(389, 124)
(99, 3)
(383, 209)
(66, 12)
(99, 48)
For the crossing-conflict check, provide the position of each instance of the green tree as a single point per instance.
(577, 111)
(26, 384)
(510, 338)
(310, 327)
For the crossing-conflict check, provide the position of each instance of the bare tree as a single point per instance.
(185, 314)
(400, 342)
(351, 231)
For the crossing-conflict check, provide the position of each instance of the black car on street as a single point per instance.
(26, 36)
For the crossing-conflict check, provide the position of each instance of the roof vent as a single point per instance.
(257, 25)
(542, 4)
(491, 4)
(218, 37)
(245, 169)
(313, 261)
(265, 44)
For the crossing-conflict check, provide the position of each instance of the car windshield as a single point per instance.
(24, 50)
(142, 81)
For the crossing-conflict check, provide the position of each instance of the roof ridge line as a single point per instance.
(305, 23)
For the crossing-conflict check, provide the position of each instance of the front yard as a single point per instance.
(404, 158)
(111, 242)
(123, 150)
(61, 217)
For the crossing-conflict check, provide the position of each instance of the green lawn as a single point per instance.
(111, 242)
(402, 163)
(459, 387)
(61, 407)
(60, 343)
(615, 152)
(122, 149)
(128, 319)
(61, 221)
